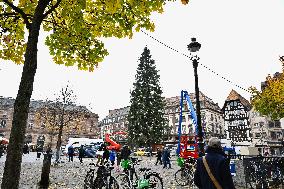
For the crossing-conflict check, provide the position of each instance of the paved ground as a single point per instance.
(69, 175)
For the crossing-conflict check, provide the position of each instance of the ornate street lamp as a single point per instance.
(194, 46)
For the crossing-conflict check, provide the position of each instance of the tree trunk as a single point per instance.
(58, 144)
(12, 170)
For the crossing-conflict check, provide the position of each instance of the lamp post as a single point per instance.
(194, 46)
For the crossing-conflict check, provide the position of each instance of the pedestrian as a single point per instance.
(166, 157)
(112, 156)
(159, 156)
(26, 148)
(70, 153)
(1, 150)
(105, 156)
(213, 170)
(39, 150)
(99, 154)
(125, 152)
(81, 153)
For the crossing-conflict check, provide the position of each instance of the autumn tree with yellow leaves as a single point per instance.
(74, 29)
(270, 100)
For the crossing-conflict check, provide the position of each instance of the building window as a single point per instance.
(183, 119)
(3, 123)
(211, 118)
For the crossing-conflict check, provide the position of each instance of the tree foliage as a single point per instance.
(147, 124)
(270, 100)
(74, 27)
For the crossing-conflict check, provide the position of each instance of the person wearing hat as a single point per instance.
(213, 169)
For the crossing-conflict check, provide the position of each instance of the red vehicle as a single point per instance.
(188, 147)
(112, 144)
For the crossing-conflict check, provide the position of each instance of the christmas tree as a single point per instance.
(147, 124)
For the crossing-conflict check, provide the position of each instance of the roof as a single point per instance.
(236, 96)
(205, 101)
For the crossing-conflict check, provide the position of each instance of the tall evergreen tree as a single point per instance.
(146, 116)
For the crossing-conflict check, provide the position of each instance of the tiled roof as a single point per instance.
(236, 96)
(205, 102)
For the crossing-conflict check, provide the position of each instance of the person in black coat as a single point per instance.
(125, 153)
(159, 156)
(81, 153)
(219, 167)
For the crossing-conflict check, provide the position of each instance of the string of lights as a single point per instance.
(190, 57)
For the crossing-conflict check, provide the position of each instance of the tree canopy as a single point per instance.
(74, 27)
(270, 100)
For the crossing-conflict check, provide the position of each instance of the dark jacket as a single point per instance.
(81, 152)
(219, 167)
(166, 155)
(159, 154)
(125, 153)
(70, 151)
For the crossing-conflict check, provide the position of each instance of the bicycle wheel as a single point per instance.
(183, 177)
(89, 180)
(112, 183)
(155, 181)
(123, 181)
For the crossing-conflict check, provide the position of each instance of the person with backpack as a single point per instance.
(213, 170)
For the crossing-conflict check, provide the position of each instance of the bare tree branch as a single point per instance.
(20, 11)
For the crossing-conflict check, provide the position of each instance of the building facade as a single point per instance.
(211, 117)
(38, 132)
(115, 121)
(267, 134)
(211, 114)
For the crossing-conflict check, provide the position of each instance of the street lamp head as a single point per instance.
(194, 46)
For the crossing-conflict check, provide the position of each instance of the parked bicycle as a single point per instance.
(129, 179)
(184, 176)
(102, 180)
(264, 173)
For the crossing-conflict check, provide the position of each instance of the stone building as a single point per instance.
(38, 132)
(115, 121)
(210, 112)
(267, 135)
(211, 117)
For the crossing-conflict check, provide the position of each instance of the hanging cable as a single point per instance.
(190, 57)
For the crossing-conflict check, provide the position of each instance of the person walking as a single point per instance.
(39, 150)
(105, 156)
(213, 170)
(112, 156)
(1, 149)
(125, 152)
(166, 158)
(159, 156)
(99, 154)
(70, 153)
(81, 153)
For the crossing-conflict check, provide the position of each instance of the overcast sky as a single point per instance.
(241, 40)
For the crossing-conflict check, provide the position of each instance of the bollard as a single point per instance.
(44, 182)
